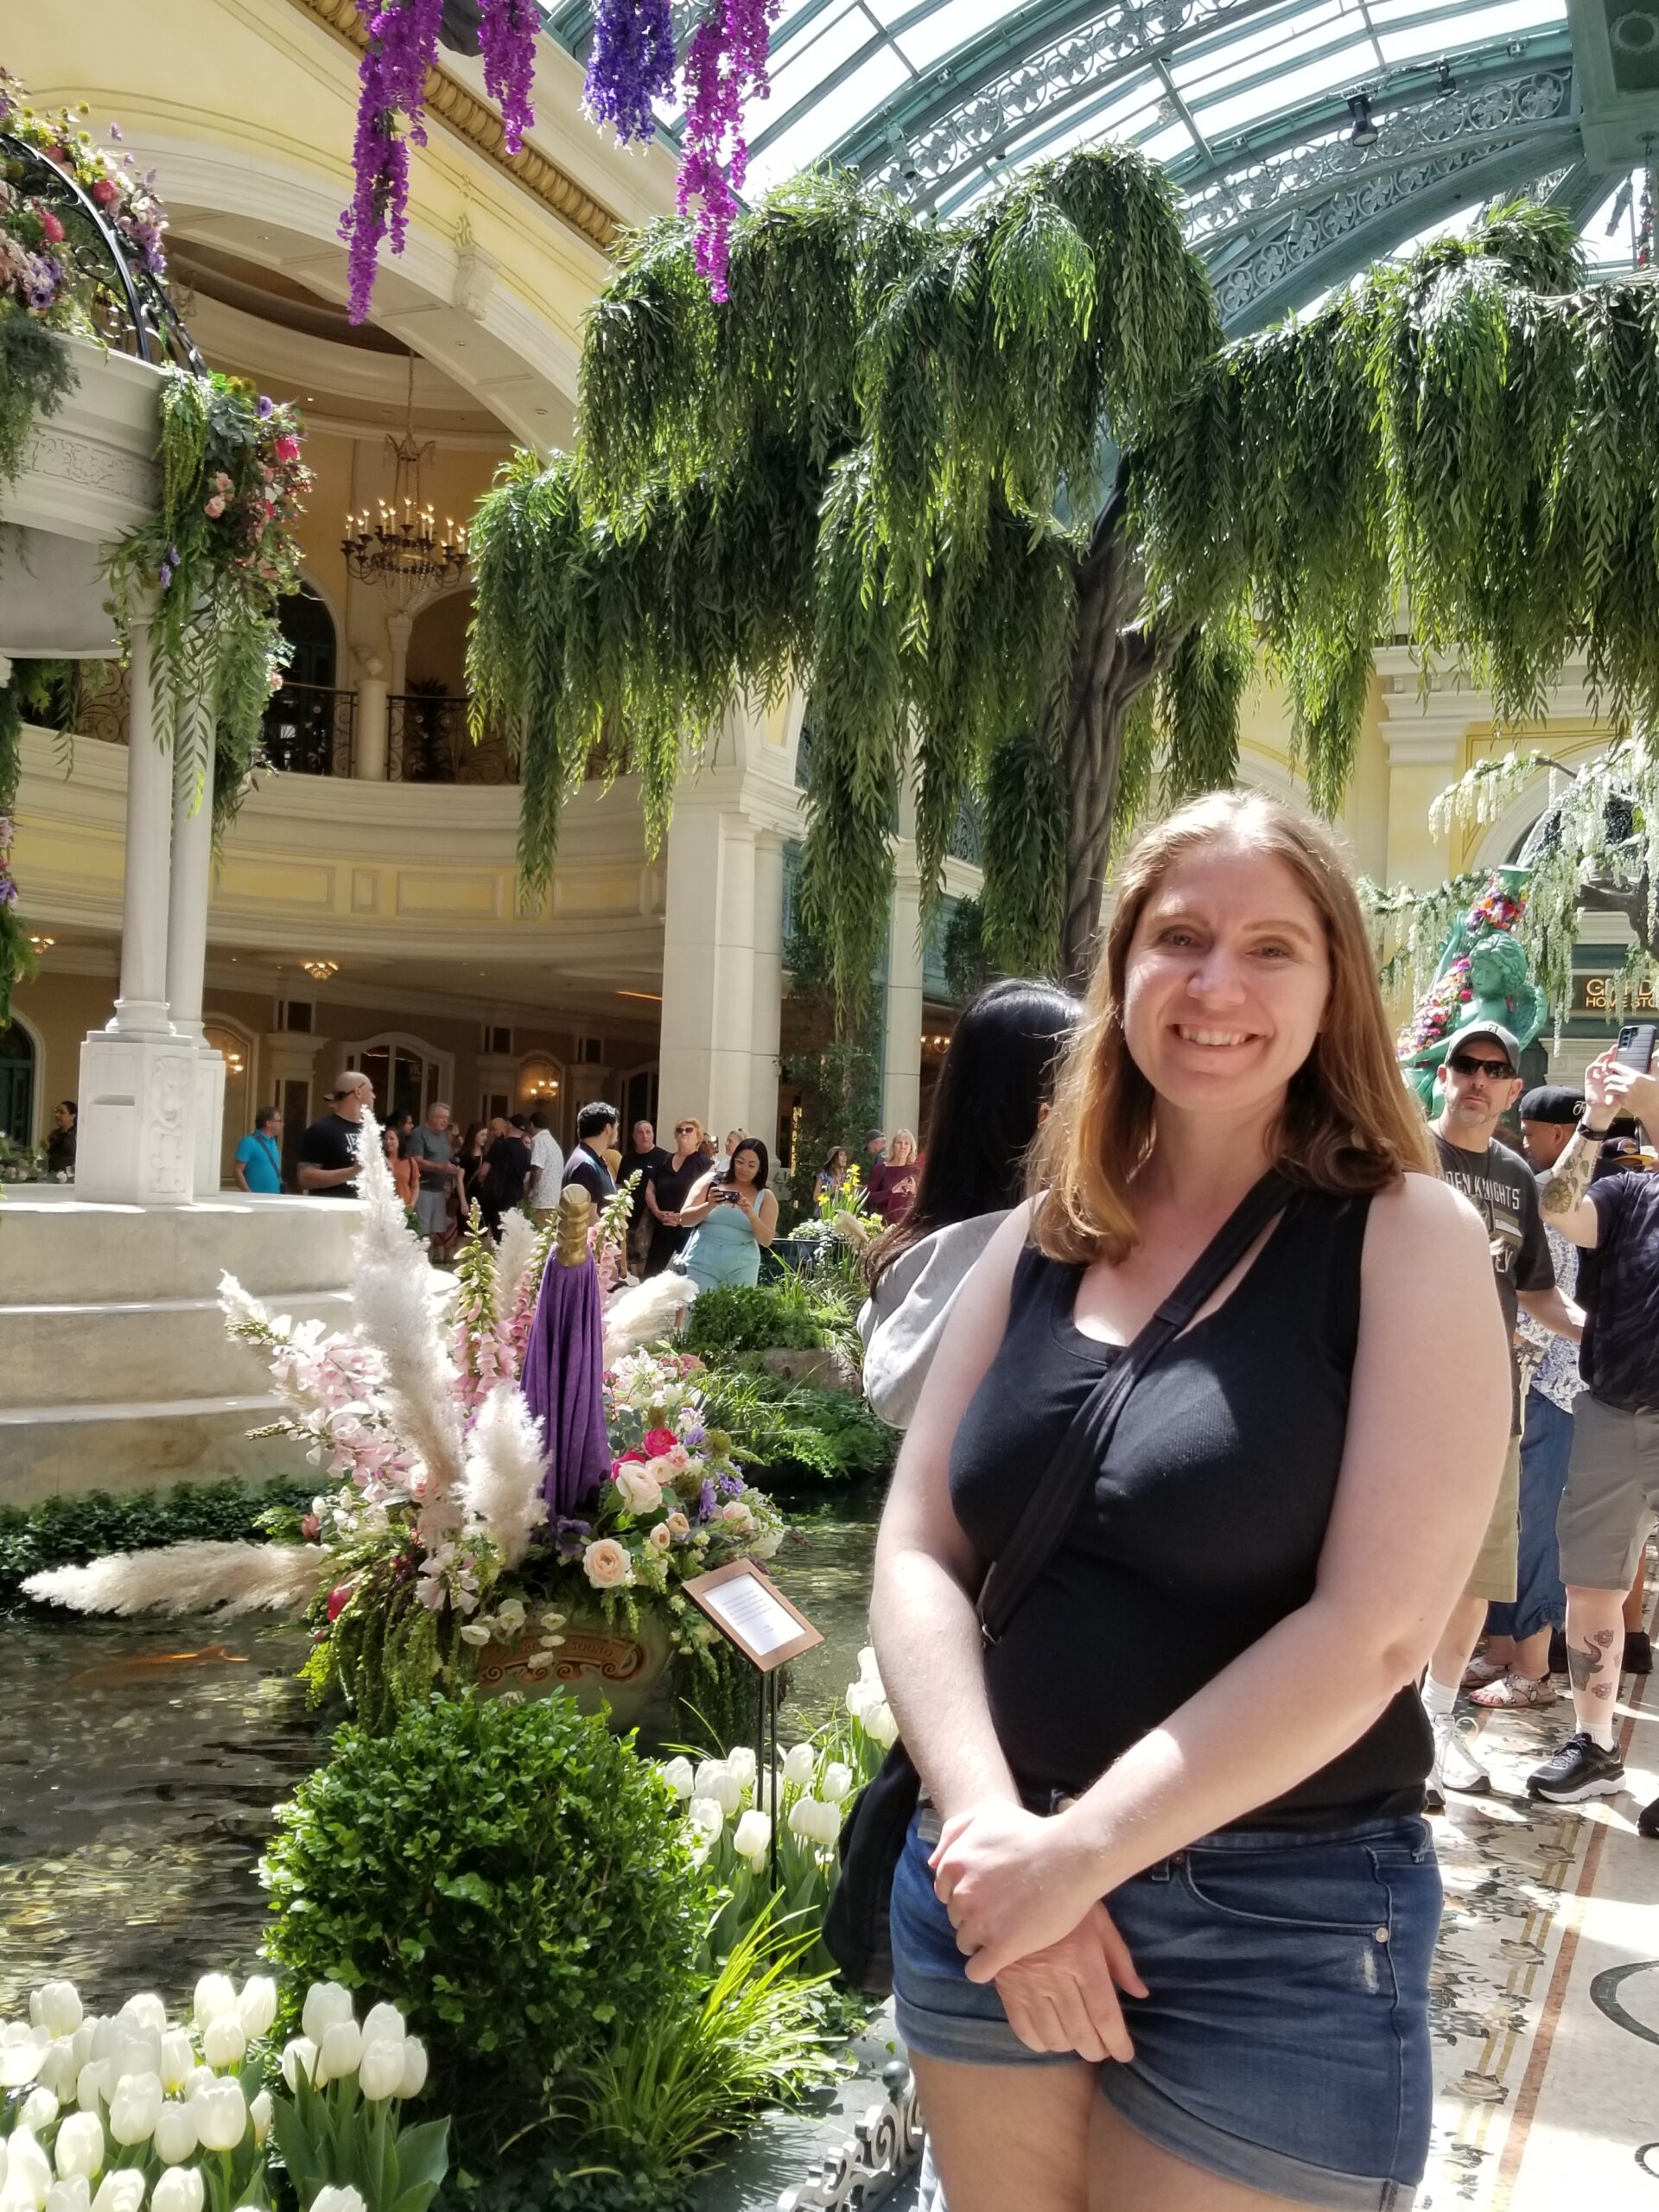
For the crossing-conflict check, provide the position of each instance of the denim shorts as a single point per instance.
(1285, 2042)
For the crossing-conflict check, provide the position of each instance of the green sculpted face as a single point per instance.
(1498, 972)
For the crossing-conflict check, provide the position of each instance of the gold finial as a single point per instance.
(574, 1208)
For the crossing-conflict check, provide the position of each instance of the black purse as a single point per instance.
(855, 1926)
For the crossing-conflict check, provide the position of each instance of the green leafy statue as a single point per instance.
(1483, 974)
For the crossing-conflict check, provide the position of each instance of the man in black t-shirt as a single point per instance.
(328, 1163)
(596, 1133)
(644, 1158)
(1477, 1083)
(1613, 1484)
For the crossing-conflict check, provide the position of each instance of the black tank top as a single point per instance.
(1202, 1528)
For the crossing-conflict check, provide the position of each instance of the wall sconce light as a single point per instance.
(41, 944)
(320, 972)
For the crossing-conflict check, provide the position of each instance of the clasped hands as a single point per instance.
(1023, 1894)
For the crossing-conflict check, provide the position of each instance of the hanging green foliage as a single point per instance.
(36, 377)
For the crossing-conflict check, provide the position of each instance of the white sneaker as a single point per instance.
(1455, 1765)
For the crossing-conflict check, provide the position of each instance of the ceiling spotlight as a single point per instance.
(1364, 131)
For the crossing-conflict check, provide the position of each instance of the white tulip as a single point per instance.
(71, 2193)
(814, 1822)
(750, 1837)
(22, 2050)
(255, 2008)
(338, 2053)
(215, 1996)
(859, 1696)
(92, 2083)
(384, 2023)
(299, 2057)
(221, 2116)
(56, 2006)
(715, 1779)
(798, 1762)
(742, 1764)
(198, 2079)
(880, 1724)
(180, 2189)
(39, 2109)
(175, 2134)
(105, 2034)
(135, 2109)
(122, 2189)
(870, 1671)
(146, 2010)
(58, 2069)
(381, 2069)
(137, 2050)
(28, 2171)
(260, 2117)
(326, 2002)
(223, 2042)
(337, 2200)
(679, 1776)
(79, 2148)
(414, 2075)
(80, 2044)
(837, 1781)
(177, 2058)
(706, 1814)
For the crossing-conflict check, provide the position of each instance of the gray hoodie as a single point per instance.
(902, 1321)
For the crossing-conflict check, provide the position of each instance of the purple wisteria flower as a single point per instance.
(725, 67)
(7, 891)
(392, 80)
(632, 64)
(506, 37)
(707, 1502)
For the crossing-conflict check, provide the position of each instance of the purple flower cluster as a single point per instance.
(725, 67)
(392, 80)
(632, 64)
(506, 34)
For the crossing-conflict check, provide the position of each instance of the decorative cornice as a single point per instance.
(475, 121)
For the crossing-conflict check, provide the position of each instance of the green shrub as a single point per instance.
(510, 1874)
(795, 1313)
(69, 1531)
(795, 1432)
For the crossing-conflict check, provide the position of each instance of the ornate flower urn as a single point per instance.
(627, 1670)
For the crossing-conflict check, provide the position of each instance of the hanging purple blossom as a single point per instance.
(392, 80)
(506, 37)
(632, 64)
(725, 67)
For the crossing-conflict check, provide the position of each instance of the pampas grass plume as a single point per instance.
(193, 1578)
(507, 1465)
(646, 1315)
(515, 1250)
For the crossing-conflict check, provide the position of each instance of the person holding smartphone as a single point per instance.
(1612, 1483)
(735, 1217)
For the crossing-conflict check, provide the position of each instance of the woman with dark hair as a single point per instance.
(737, 1216)
(830, 1177)
(992, 1099)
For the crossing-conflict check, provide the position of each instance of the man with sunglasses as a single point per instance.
(1475, 1084)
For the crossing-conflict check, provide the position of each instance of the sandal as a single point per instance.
(1512, 1692)
(1480, 1672)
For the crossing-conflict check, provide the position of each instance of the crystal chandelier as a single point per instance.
(400, 551)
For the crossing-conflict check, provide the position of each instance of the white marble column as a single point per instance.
(708, 931)
(399, 629)
(136, 1091)
(189, 891)
(768, 988)
(901, 1061)
(371, 731)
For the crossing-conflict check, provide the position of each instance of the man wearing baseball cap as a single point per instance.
(1477, 1082)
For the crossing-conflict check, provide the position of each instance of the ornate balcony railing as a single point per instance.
(308, 730)
(429, 743)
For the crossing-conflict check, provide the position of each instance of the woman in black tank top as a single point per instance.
(1192, 1766)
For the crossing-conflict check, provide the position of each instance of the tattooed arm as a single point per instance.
(1561, 1189)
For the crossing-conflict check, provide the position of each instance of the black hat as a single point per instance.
(1552, 1102)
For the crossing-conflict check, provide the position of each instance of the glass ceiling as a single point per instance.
(1308, 137)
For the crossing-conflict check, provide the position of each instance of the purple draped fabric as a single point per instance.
(562, 1379)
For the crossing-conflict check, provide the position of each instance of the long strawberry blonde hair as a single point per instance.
(1348, 1123)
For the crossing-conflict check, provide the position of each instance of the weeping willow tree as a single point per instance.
(995, 493)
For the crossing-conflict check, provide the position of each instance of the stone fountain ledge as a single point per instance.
(844, 2150)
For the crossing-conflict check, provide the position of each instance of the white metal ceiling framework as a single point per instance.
(1307, 137)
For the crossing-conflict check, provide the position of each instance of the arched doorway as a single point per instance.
(18, 1064)
(309, 627)
(408, 1075)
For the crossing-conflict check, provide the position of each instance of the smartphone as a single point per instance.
(1635, 1046)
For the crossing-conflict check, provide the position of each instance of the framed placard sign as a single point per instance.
(750, 1612)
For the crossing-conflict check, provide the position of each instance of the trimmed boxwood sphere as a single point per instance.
(510, 1874)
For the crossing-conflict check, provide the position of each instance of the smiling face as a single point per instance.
(1226, 981)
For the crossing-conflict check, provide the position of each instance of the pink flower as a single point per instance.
(213, 508)
(106, 192)
(310, 1528)
(606, 1564)
(50, 225)
(337, 1600)
(286, 448)
(658, 1440)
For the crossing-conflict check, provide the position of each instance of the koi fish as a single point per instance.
(140, 1669)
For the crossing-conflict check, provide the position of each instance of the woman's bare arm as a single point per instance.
(698, 1201)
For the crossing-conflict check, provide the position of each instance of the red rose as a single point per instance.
(286, 448)
(658, 1440)
(106, 192)
(337, 1599)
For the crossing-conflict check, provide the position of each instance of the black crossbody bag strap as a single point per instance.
(1042, 1526)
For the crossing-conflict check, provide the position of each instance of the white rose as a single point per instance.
(798, 1762)
(715, 1779)
(677, 1774)
(255, 2008)
(750, 1837)
(338, 2052)
(380, 2070)
(73, 2194)
(837, 1781)
(221, 2115)
(659, 1538)
(122, 2189)
(175, 2133)
(606, 1565)
(414, 2075)
(177, 2059)
(135, 2109)
(56, 2006)
(638, 1489)
(742, 1763)
(80, 2145)
(215, 1996)
(299, 2057)
(223, 2042)
(326, 2002)
(180, 2189)
(38, 2110)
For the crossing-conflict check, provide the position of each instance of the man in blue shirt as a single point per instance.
(259, 1158)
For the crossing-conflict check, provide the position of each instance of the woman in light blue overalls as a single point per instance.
(737, 1216)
